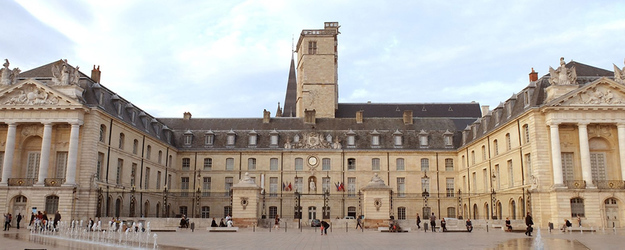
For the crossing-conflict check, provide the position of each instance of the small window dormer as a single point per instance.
(351, 139)
(230, 139)
(398, 139)
(465, 134)
(99, 94)
(273, 138)
(188, 138)
(375, 139)
(423, 139)
(448, 139)
(510, 105)
(156, 127)
(144, 119)
(131, 112)
(252, 139)
(209, 138)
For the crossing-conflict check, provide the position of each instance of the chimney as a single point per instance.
(359, 116)
(266, 115)
(186, 116)
(95, 74)
(309, 116)
(407, 117)
(533, 76)
(485, 109)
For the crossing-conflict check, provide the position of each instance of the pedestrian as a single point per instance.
(433, 222)
(443, 225)
(214, 224)
(418, 221)
(508, 225)
(57, 218)
(277, 222)
(6, 222)
(324, 227)
(529, 223)
(32, 218)
(19, 219)
(579, 221)
(359, 222)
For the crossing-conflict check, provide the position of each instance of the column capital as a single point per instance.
(620, 125)
(584, 124)
(553, 124)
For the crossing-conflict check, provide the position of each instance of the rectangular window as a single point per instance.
(312, 47)
(273, 186)
(228, 186)
(325, 164)
(496, 146)
(528, 168)
(425, 164)
(510, 174)
(133, 174)
(120, 166)
(451, 212)
(577, 207)
(401, 186)
(325, 184)
(206, 186)
(273, 164)
(400, 164)
(401, 213)
(186, 163)
(375, 164)
(208, 164)
(2, 162)
(33, 165)
(567, 166)
(474, 182)
(273, 211)
(147, 178)
(299, 164)
(299, 184)
(209, 139)
(184, 186)
(449, 187)
(100, 164)
(485, 177)
(497, 178)
(351, 186)
(526, 131)
(183, 210)
(230, 164)
(449, 164)
(351, 164)
(158, 179)
(251, 164)
(61, 164)
(425, 185)
(169, 181)
(227, 210)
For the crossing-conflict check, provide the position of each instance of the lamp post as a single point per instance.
(132, 201)
(198, 193)
(493, 198)
(165, 210)
(460, 211)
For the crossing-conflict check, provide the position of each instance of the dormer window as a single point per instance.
(351, 139)
(230, 138)
(448, 139)
(252, 138)
(131, 112)
(397, 139)
(188, 138)
(484, 124)
(144, 120)
(209, 138)
(273, 139)
(423, 139)
(375, 138)
(155, 125)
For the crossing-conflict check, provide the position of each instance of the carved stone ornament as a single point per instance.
(619, 74)
(29, 130)
(601, 96)
(29, 94)
(244, 202)
(377, 202)
(7, 76)
(63, 74)
(311, 140)
(562, 75)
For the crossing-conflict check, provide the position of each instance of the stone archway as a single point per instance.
(612, 216)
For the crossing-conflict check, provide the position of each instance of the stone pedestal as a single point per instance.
(245, 201)
(555, 91)
(376, 204)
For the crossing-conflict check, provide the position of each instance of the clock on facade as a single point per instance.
(312, 160)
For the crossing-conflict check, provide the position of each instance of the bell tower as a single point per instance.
(317, 71)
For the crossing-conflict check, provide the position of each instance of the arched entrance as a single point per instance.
(486, 211)
(499, 214)
(146, 209)
(475, 213)
(611, 213)
(513, 209)
(158, 209)
(118, 207)
(19, 205)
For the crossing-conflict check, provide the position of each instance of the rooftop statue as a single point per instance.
(562, 75)
(7, 76)
(619, 74)
(64, 74)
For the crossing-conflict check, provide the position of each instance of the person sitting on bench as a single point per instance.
(508, 225)
(567, 223)
(469, 225)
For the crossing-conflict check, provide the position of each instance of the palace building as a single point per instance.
(555, 149)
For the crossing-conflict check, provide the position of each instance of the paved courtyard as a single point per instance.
(338, 239)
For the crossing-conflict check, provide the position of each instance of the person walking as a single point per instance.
(6, 222)
(277, 222)
(433, 222)
(325, 226)
(359, 222)
(418, 221)
(19, 219)
(529, 222)
(57, 218)
(579, 221)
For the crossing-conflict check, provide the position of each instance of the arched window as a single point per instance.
(526, 132)
(135, 145)
(102, 132)
(148, 152)
(496, 147)
(122, 137)
(508, 142)
(131, 213)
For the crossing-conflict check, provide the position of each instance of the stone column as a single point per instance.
(72, 156)
(584, 152)
(556, 156)
(9, 150)
(44, 160)
(621, 147)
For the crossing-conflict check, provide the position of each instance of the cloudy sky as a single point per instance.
(231, 58)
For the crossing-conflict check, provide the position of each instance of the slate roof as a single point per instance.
(348, 110)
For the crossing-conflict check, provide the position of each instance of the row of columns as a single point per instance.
(584, 147)
(72, 156)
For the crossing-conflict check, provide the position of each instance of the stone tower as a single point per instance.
(317, 71)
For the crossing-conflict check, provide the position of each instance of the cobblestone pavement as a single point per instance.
(339, 239)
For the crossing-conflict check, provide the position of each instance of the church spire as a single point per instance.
(291, 90)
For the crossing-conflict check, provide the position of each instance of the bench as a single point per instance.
(223, 229)
(456, 231)
(578, 229)
(385, 230)
(168, 229)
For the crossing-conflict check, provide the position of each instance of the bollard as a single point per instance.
(346, 227)
(285, 226)
(331, 226)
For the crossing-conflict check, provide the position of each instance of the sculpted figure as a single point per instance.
(562, 75)
(619, 74)
(312, 186)
(5, 73)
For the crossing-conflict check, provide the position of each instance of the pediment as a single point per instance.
(602, 92)
(33, 94)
